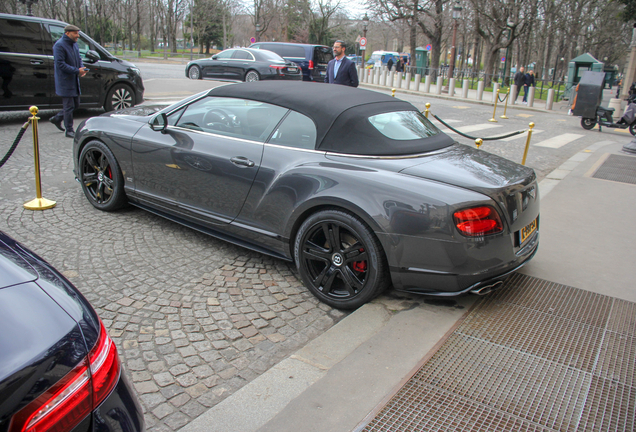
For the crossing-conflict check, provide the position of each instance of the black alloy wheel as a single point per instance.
(119, 97)
(588, 123)
(101, 177)
(340, 260)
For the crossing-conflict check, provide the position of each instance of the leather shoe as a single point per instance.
(70, 134)
(57, 123)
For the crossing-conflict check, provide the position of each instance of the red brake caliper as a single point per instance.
(360, 266)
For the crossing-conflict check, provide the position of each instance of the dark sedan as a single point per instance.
(357, 188)
(244, 64)
(59, 369)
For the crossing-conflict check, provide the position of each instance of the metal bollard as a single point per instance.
(393, 92)
(550, 101)
(440, 83)
(428, 105)
(38, 203)
(418, 81)
(525, 152)
(479, 142)
(451, 87)
(480, 90)
(531, 97)
(465, 86)
(506, 105)
(427, 84)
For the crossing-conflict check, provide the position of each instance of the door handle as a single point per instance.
(36, 62)
(243, 161)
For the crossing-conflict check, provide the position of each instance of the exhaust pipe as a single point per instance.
(487, 289)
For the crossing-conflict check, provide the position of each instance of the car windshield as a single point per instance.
(404, 125)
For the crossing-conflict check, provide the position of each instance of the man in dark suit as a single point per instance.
(341, 70)
(68, 70)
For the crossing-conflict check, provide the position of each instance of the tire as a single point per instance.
(119, 97)
(632, 129)
(101, 177)
(252, 76)
(194, 73)
(588, 123)
(346, 276)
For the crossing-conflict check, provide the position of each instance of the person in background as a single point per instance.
(341, 70)
(389, 64)
(528, 82)
(68, 70)
(520, 79)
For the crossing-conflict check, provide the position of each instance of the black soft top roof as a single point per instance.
(340, 114)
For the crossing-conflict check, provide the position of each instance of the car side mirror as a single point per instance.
(92, 56)
(213, 57)
(159, 123)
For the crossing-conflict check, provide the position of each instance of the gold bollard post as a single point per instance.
(479, 142)
(493, 119)
(38, 203)
(506, 105)
(525, 153)
(428, 105)
(393, 92)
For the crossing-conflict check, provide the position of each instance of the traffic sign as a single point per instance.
(363, 42)
(503, 59)
(429, 47)
(252, 39)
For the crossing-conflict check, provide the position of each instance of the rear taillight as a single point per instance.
(478, 221)
(311, 64)
(70, 400)
(279, 68)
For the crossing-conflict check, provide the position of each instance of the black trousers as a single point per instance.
(69, 104)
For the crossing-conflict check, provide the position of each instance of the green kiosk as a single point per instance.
(421, 60)
(580, 64)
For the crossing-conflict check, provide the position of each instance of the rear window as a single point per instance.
(271, 56)
(403, 125)
(271, 47)
(322, 54)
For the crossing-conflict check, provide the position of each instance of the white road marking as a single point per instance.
(559, 140)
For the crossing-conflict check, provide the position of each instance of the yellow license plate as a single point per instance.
(527, 231)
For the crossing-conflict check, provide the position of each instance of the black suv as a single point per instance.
(312, 59)
(27, 71)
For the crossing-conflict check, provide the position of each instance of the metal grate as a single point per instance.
(535, 356)
(618, 168)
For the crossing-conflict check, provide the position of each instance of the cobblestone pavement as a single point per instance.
(194, 318)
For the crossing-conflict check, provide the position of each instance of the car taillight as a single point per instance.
(311, 64)
(478, 221)
(279, 68)
(70, 400)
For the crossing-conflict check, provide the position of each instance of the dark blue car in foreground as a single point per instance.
(59, 369)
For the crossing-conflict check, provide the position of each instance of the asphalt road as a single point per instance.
(195, 318)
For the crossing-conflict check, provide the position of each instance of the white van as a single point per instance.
(379, 58)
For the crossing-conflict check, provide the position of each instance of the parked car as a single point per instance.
(357, 188)
(27, 68)
(312, 59)
(244, 64)
(59, 369)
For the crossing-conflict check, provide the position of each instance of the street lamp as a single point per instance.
(28, 4)
(457, 14)
(258, 32)
(363, 50)
(509, 24)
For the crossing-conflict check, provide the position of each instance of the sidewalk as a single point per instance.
(334, 382)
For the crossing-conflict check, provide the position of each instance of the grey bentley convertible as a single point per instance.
(357, 188)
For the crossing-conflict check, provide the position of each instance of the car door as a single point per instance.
(25, 70)
(217, 65)
(204, 163)
(239, 64)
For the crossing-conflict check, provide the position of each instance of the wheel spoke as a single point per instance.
(333, 236)
(352, 283)
(89, 178)
(314, 252)
(103, 162)
(324, 281)
(90, 158)
(355, 255)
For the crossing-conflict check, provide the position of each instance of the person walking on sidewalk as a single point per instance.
(520, 79)
(341, 70)
(528, 82)
(68, 70)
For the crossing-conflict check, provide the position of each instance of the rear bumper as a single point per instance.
(457, 269)
(120, 411)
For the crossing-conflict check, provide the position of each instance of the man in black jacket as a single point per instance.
(520, 79)
(341, 70)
